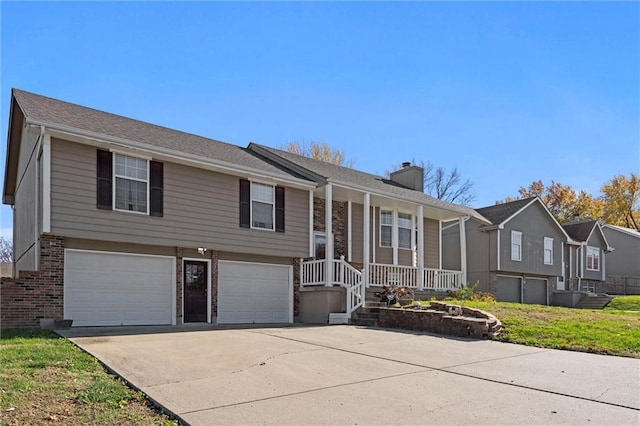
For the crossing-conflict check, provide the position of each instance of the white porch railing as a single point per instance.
(442, 279)
(407, 276)
(313, 273)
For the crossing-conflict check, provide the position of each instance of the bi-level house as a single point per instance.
(517, 254)
(122, 222)
(623, 265)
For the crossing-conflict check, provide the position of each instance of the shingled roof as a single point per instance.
(322, 171)
(44, 110)
(580, 230)
(500, 212)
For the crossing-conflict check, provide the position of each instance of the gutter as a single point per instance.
(126, 143)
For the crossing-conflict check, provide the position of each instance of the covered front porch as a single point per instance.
(377, 240)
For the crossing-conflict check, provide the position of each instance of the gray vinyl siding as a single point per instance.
(534, 223)
(479, 246)
(25, 214)
(201, 209)
(624, 259)
(110, 246)
(239, 257)
(451, 248)
(595, 240)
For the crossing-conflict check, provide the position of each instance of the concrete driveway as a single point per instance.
(351, 375)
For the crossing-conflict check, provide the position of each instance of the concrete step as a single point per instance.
(367, 322)
(596, 301)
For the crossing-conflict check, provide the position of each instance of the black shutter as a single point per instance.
(155, 186)
(245, 203)
(279, 209)
(104, 184)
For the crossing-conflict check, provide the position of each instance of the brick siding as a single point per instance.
(35, 295)
(339, 222)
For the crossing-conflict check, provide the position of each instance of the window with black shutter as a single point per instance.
(104, 181)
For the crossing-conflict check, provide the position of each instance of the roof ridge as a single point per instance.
(119, 116)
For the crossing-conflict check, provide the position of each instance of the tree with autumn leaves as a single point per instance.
(618, 204)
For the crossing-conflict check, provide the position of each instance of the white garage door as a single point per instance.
(103, 288)
(253, 293)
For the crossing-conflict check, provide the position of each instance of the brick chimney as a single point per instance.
(410, 176)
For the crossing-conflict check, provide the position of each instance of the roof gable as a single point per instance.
(501, 213)
(622, 230)
(583, 230)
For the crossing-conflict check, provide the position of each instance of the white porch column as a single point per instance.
(420, 247)
(311, 242)
(328, 207)
(349, 230)
(366, 233)
(463, 250)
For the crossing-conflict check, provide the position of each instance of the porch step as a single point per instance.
(366, 316)
(594, 301)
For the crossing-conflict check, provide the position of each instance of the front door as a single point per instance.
(195, 291)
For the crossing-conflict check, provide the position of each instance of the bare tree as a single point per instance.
(445, 185)
(319, 151)
(6, 250)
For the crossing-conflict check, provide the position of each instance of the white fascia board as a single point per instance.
(623, 230)
(597, 225)
(394, 197)
(100, 140)
(548, 212)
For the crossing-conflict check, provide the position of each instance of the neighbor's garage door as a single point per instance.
(103, 288)
(535, 291)
(508, 289)
(252, 293)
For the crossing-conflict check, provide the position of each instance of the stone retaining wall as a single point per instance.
(442, 318)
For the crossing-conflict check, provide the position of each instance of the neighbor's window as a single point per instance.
(516, 245)
(386, 228)
(405, 227)
(548, 251)
(593, 258)
(131, 183)
(262, 205)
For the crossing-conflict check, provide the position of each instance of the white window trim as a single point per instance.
(115, 176)
(273, 203)
(380, 225)
(544, 250)
(519, 234)
(412, 228)
(597, 255)
(319, 234)
(395, 227)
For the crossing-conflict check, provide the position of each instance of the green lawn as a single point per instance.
(46, 379)
(624, 303)
(613, 331)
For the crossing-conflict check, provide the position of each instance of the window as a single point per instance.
(128, 183)
(593, 258)
(548, 251)
(320, 245)
(405, 228)
(262, 206)
(131, 180)
(516, 245)
(386, 228)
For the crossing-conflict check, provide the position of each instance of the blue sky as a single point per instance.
(507, 92)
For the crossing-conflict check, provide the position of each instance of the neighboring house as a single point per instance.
(585, 262)
(6, 269)
(623, 264)
(517, 255)
(387, 230)
(121, 222)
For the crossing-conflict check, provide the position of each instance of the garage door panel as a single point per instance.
(535, 291)
(118, 289)
(253, 293)
(508, 289)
